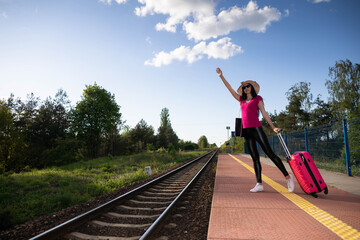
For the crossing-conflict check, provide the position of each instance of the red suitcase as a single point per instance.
(305, 171)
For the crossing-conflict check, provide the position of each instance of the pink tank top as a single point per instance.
(249, 112)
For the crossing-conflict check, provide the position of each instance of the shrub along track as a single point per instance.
(192, 222)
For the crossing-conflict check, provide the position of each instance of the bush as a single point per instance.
(171, 149)
(161, 150)
(150, 147)
(65, 152)
(238, 145)
(189, 146)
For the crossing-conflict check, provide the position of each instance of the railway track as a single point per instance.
(136, 214)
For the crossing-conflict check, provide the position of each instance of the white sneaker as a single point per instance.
(258, 188)
(290, 183)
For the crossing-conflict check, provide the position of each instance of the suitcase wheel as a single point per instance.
(314, 195)
(326, 191)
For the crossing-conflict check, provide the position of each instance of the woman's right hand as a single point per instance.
(277, 130)
(219, 72)
(227, 85)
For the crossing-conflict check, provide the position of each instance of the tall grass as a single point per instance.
(27, 195)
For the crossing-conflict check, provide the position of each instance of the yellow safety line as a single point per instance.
(334, 224)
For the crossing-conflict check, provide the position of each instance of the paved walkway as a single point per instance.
(275, 213)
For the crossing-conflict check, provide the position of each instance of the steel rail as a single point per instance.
(78, 220)
(157, 222)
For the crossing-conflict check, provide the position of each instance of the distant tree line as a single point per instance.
(35, 134)
(303, 111)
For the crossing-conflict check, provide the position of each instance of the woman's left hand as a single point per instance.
(277, 130)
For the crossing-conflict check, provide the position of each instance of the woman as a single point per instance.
(253, 132)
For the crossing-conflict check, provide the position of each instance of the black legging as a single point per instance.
(257, 134)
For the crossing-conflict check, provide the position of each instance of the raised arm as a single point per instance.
(227, 85)
(267, 117)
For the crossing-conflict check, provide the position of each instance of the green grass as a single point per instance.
(26, 195)
(336, 167)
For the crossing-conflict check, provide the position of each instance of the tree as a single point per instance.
(34, 129)
(298, 109)
(50, 126)
(344, 89)
(354, 139)
(95, 115)
(213, 145)
(321, 114)
(267, 129)
(166, 134)
(142, 135)
(56, 145)
(237, 145)
(22, 134)
(12, 144)
(187, 145)
(24, 113)
(203, 142)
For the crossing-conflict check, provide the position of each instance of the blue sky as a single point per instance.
(153, 54)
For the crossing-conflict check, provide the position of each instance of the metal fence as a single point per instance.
(336, 144)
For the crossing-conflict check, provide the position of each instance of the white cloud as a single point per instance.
(249, 17)
(120, 1)
(178, 11)
(110, 1)
(200, 22)
(221, 49)
(318, 1)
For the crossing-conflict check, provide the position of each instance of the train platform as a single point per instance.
(236, 213)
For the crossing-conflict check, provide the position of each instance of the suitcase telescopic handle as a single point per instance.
(287, 152)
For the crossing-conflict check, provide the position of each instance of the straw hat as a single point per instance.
(255, 85)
